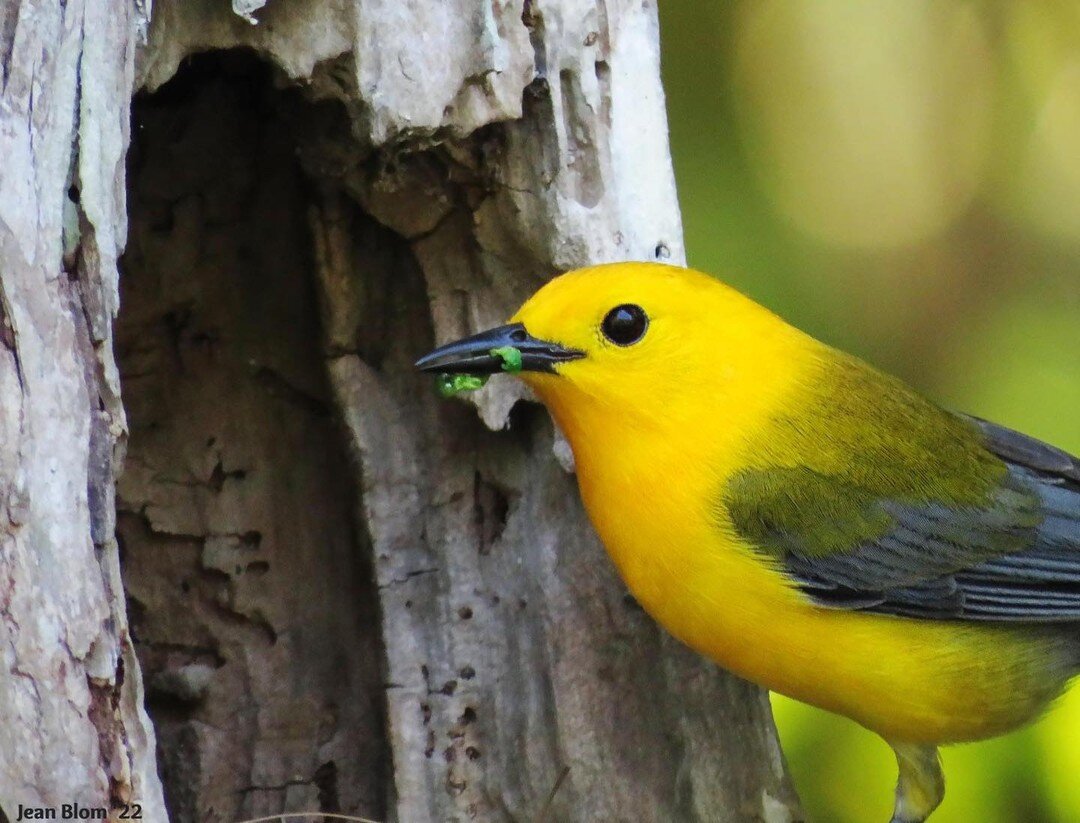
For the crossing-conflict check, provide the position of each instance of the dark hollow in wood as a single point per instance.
(249, 583)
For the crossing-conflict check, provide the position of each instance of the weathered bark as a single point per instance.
(73, 730)
(428, 630)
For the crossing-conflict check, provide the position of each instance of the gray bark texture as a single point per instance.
(74, 729)
(342, 593)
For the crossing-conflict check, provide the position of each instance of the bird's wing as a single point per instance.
(862, 538)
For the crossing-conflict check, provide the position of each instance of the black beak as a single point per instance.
(476, 354)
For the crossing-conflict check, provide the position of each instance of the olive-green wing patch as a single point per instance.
(886, 502)
(1017, 557)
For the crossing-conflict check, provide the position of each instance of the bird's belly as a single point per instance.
(907, 679)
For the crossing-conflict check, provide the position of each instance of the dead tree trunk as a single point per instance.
(73, 729)
(345, 594)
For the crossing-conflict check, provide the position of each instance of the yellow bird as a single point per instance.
(804, 520)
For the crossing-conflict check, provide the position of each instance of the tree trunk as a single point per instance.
(74, 729)
(346, 595)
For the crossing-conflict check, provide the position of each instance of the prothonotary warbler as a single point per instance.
(801, 518)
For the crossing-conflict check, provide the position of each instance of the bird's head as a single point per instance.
(630, 344)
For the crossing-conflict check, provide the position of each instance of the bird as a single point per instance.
(806, 521)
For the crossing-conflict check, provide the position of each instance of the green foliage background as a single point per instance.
(901, 179)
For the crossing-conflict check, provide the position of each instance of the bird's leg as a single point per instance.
(920, 786)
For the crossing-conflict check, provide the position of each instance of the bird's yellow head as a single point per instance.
(633, 345)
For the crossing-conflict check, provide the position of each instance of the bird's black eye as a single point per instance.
(624, 325)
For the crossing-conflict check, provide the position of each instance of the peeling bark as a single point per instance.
(346, 594)
(74, 728)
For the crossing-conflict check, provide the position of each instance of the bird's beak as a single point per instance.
(480, 353)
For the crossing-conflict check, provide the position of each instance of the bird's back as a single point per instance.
(876, 499)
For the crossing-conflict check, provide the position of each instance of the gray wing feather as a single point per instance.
(1018, 449)
(933, 563)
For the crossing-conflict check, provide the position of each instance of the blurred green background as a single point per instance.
(902, 179)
